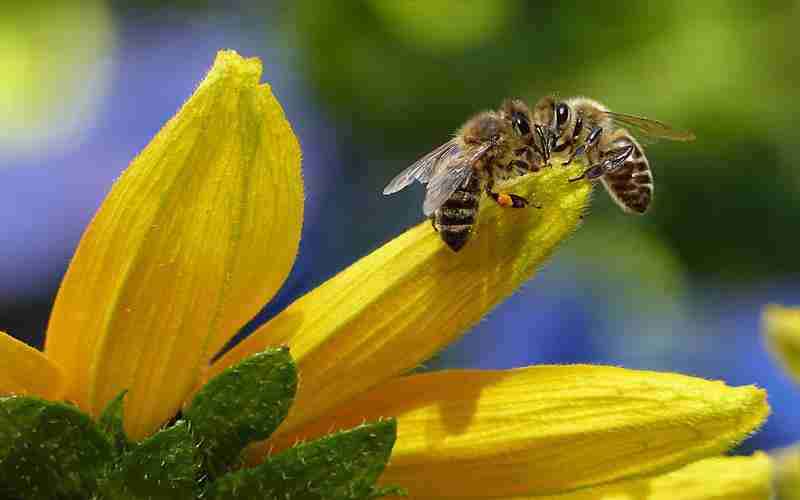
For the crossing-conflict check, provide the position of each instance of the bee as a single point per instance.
(583, 126)
(491, 146)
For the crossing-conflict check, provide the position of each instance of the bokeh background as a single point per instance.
(370, 85)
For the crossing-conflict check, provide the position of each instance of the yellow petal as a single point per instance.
(720, 478)
(25, 370)
(407, 300)
(787, 473)
(546, 429)
(198, 233)
(782, 332)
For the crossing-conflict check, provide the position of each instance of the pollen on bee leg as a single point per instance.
(504, 200)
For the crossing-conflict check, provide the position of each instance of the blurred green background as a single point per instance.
(371, 85)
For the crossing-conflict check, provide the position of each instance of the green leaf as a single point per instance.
(49, 450)
(342, 466)
(164, 466)
(387, 491)
(244, 403)
(110, 422)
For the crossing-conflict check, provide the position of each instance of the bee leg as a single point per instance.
(532, 157)
(576, 134)
(615, 159)
(520, 202)
(507, 200)
(553, 134)
(590, 173)
(543, 147)
(591, 141)
(522, 167)
(577, 152)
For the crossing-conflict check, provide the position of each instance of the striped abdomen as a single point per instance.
(631, 184)
(456, 217)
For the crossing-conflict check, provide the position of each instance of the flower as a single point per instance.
(729, 478)
(202, 229)
(781, 332)
(787, 472)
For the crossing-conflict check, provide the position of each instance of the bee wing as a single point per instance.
(450, 173)
(650, 128)
(447, 178)
(423, 168)
(478, 153)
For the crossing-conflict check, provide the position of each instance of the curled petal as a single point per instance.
(546, 429)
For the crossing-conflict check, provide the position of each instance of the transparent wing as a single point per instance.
(653, 129)
(423, 168)
(479, 151)
(451, 172)
(447, 178)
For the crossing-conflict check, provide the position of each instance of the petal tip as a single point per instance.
(230, 64)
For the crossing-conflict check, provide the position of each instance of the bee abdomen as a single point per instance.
(450, 216)
(456, 236)
(456, 217)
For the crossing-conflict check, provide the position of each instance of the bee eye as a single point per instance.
(520, 123)
(562, 115)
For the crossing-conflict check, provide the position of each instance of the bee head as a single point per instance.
(518, 115)
(485, 127)
(557, 117)
(562, 116)
(544, 112)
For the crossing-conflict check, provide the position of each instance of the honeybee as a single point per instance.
(583, 126)
(491, 146)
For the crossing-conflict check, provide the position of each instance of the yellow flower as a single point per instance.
(545, 429)
(787, 473)
(168, 269)
(720, 478)
(782, 334)
(202, 230)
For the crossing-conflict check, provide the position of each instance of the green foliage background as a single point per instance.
(403, 72)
